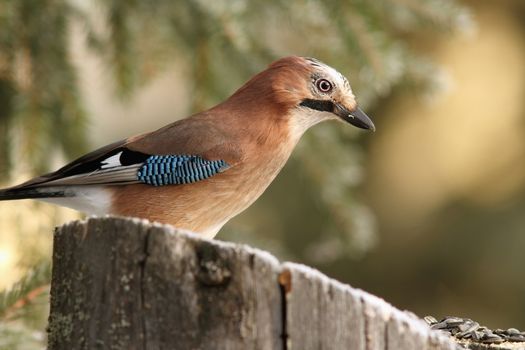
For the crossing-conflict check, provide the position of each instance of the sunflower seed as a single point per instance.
(511, 331)
(465, 328)
(430, 320)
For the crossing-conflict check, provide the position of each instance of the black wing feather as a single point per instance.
(87, 164)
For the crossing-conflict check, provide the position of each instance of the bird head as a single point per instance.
(302, 90)
(314, 92)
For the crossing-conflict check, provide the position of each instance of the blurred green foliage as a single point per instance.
(222, 43)
(38, 86)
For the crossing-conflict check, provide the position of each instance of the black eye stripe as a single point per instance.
(318, 105)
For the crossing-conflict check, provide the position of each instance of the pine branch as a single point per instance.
(25, 291)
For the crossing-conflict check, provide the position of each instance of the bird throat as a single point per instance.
(301, 119)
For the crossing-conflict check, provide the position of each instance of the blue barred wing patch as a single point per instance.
(178, 169)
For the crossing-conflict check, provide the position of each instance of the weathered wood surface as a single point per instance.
(125, 284)
(128, 284)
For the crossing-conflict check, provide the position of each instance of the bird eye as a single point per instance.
(324, 85)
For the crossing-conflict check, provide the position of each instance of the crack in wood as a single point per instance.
(142, 271)
(284, 291)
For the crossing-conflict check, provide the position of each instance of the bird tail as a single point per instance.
(13, 193)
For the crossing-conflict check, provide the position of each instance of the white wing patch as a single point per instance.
(110, 171)
(111, 162)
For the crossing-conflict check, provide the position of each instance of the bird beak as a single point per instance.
(356, 117)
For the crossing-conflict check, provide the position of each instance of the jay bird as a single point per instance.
(199, 172)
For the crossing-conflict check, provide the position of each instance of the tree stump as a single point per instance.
(129, 284)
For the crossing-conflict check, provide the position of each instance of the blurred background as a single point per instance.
(427, 213)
